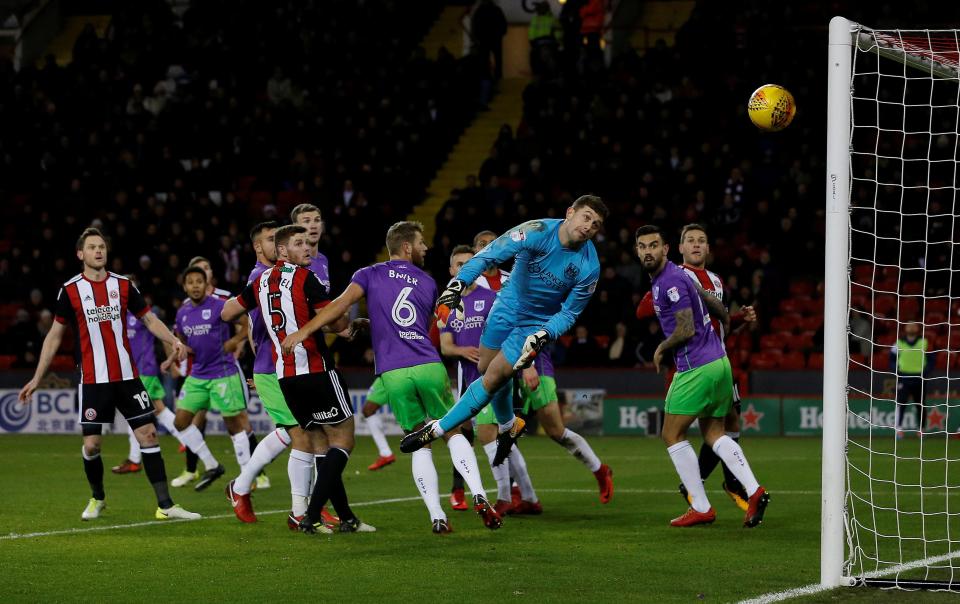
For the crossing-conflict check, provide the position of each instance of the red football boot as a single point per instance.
(491, 519)
(242, 506)
(692, 518)
(381, 462)
(457, 500)
(604, 477)
(527, 508)
(503, 507)
(756, 506)
(127, 467)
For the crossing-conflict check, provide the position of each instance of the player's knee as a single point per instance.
(556, 433)
(91, 450)
(181, 423)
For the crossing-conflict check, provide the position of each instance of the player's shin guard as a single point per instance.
(157, 475)
(270, 447)
(579, 448)
(93, 468)
(329, 472)
(732, 456)
(427, 481)
(685, 462)
(379, 438)
(241, 447)
(134, 453)
(300, 471)
(518, 467)
(473, 400)
(465, 461)
(338, 491)
(501, 473)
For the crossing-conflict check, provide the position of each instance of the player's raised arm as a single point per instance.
(501, 249)
(332, 313)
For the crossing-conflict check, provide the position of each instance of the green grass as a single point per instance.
(578, 550)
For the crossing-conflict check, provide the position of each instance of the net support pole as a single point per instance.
(836, 293)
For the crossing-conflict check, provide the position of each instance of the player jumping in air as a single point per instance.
(703, 385)
(400, 303)
(555, 272)
(95, 303)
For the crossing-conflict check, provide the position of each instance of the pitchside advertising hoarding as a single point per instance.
(587, 411)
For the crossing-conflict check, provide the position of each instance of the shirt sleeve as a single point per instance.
(135, 302)
(361, 278)
(316, 293)
(502, 248)
(571, 308)
(247, 298)
(677, 295)
(64, 311)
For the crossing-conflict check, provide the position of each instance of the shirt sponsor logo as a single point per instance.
(409, 335)
(101, 314)
(674, 294)
(201, 329)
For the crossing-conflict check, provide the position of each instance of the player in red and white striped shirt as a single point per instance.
(288, 295)
(95, 303)
(695, 247)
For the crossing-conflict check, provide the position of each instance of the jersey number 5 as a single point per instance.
(277, 317)
(403, 312)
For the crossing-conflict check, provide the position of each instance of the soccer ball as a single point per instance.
(771, 107)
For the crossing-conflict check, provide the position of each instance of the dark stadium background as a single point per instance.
(182, 124)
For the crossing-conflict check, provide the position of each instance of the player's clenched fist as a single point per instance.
(531, 348)
(449, 301)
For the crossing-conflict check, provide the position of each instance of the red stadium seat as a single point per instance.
(802, 342)
(765, 360)
(938, 305)
(787, 322)
(791, 306)
(811, 323)
(63, 363)
(602, 341)
(815, 361)
(863, 273)
(801, 288)
(912, 288)
(880, 360)
(7, 361)
(857, 361)
(793, 360)
(774, 341)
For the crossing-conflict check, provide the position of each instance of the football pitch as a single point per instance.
(578, 550)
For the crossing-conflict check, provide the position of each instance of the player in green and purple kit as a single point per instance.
(461, 338)
(400, 303)
(215, 378)
(702, 387)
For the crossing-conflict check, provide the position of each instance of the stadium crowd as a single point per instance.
(175, 153)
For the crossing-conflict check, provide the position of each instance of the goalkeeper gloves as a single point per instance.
(449, 301)
(531, 348)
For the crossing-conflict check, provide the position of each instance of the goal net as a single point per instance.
(893, 345)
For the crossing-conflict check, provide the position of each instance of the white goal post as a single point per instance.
(892, 223)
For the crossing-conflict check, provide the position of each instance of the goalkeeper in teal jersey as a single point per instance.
(554, 274)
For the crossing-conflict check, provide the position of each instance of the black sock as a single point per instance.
(329, 472)
(338, 494)
(157, 475)
(707, 460)
(457, 480)
(94, 470)
(317, 462)
(253, 441)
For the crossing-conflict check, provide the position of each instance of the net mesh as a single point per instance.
(903, 459)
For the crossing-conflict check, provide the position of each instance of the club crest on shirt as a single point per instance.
(479, 305)
(114, 294)
(571, 271)
(131, 321)
(90, 414)
(716, 282)
(205, 314)
(674, 294)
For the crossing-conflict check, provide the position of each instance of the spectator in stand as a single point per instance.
(583, 350)
(24, 340)
(544, 34)
(623, 348)
(592, 15)
(488, 26)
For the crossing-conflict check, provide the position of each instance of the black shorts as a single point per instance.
(317, 399)
(736, 397)
(99, 403)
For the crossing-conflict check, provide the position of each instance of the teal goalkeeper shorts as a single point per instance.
(268, 389)
(705, 391)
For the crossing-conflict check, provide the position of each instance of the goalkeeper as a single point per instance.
(554, 274)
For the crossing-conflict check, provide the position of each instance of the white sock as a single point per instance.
(376, 431)
(134, 454)
(241, 447)
(501, 473)
(504, 427)
(267, 450)
(732, 456)
(733, 434)
(193, 440)
(685, 461)
(300, 471)
(578, 447)
(165, 418)
(518, 467)
(425, 477)
(465, 461)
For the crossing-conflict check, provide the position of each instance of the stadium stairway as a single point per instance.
(469, 152)
(61, 47)
(446, 31)
(660, 19)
